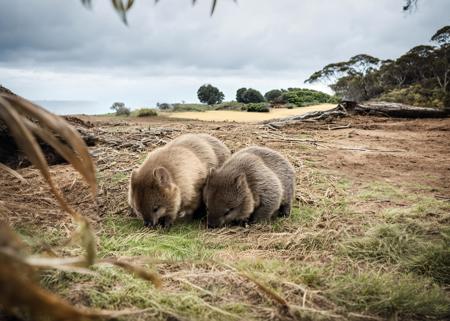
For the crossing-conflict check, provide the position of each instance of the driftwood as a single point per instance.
(347, 108)
(313, 116)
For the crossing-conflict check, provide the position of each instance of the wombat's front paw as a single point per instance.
(165, 222)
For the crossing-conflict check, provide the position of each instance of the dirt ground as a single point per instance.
(245, 117)
(376, 174)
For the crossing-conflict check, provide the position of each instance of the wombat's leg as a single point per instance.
(263, 213)
(285, 209)
(286, 205)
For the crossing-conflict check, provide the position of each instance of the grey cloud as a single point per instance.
(265, 42)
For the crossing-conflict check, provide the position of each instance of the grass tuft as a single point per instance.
(391, 295)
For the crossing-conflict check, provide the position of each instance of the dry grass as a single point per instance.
(351, 250)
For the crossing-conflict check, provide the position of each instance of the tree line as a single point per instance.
(419, 77)
(208, 94)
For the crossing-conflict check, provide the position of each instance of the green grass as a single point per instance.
(381, 191)
(128, 237)
(390, 295)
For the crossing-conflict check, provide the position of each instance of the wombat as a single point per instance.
(254, 184)
(168, 185)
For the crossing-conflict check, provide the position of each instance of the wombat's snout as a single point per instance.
(147, 223)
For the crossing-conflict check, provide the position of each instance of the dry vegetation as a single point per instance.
(368, 239)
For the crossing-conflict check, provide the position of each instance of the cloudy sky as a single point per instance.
(75, 60)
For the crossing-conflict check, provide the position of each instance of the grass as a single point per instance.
(328, 260)
(191, 107)
(391, 295)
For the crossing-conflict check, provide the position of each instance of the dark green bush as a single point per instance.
(250, 95)
(210, 95)
(273, 96)
(258, 107)
(305, 97)
(253, 96)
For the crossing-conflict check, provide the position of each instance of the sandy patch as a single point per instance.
(246, 117)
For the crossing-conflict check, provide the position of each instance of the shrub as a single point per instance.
(258, 107)
(250, 95)
(415, 95)
(290, 106)
(240, 95)
(253, 96)
(230, 105)
(146, 112)
(210, 95)
(164, 106)
(120, 109)
(304, 97)
(190, 107)
(273, 95)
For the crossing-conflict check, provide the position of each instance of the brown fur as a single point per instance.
(169, 183)
(255, 183)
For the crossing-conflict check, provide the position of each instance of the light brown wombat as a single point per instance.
(254, 184)
(169, 183)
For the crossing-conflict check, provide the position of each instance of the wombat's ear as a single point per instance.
(162, 176)
(241, 180)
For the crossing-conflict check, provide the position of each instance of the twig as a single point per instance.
(371, 150)
(13, 173)
(340, 127)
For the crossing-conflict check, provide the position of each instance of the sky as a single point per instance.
(71, 59)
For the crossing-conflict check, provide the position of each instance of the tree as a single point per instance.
(350, 79)
(210, 95)
(120, 109)
(164, 106)
(253, 96)
(240, 95)
(250, 95)
(442, 36)
(273, 96)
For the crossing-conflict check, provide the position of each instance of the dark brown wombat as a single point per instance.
(254, 184)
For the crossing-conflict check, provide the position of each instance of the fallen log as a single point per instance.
(312, 116)
(398, 110)
(346, 108)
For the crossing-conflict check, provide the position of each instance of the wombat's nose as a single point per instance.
(147, 223)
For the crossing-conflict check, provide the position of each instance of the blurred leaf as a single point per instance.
(122, 7)
(138, 271)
